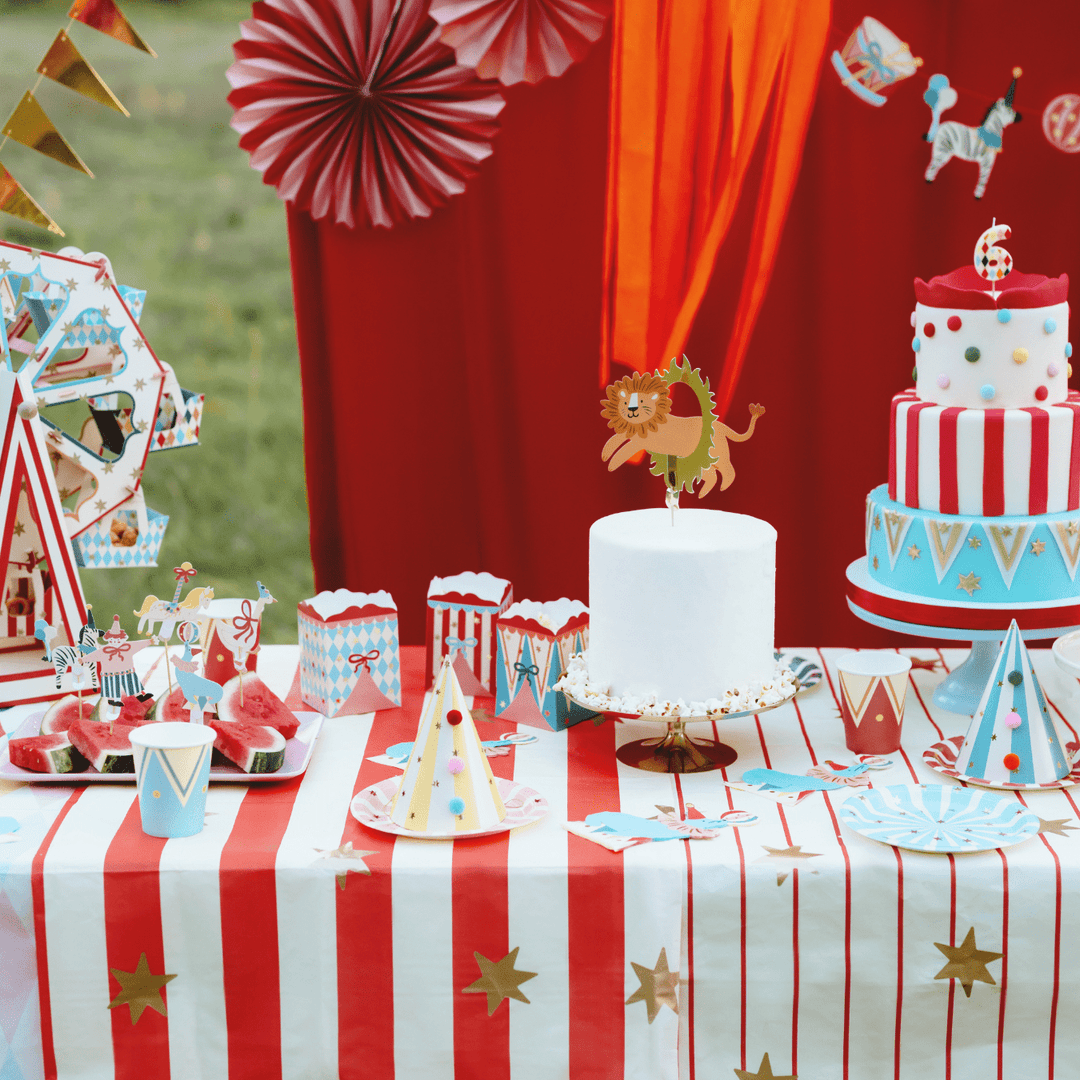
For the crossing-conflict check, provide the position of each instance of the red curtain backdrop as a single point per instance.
(452, 415)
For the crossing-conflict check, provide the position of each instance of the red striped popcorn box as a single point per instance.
(349, 662)
(461, 614)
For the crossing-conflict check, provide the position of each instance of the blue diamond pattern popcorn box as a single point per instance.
(349, 653)
(461, 614)
(535, 643)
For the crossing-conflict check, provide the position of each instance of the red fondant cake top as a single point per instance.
(964, 288)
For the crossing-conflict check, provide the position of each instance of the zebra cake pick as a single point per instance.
(980, 144)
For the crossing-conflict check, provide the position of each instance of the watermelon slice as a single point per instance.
(65, 712)
(132, 710)
(46, 754)
(108, 751)
(172, 706)
(261, 705)
(256, 748)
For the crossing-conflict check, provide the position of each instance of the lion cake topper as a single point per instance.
(684, 449)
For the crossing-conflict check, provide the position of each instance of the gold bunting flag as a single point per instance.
(17, 201)
(63, 63)
(29, 125)
(105, 16)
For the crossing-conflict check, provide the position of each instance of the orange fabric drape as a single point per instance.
(694, 85)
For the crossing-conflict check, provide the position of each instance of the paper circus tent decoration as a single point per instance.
(357, 112)
(1013, 737)
(447, 786)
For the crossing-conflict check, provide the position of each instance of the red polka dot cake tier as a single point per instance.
(982, 504)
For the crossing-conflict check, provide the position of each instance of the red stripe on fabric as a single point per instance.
(948, 479)
(1039, 474)
(249, 931)
(133, 927)
(595, 910)
(481, 924)
(293, 700)
(1065, 721)
(911, 454)
(1004, 963)
(37, 892)
(952, 982)
(1074, 456)
(365, 957)
(689, 936)
(993, 462)
(899, 962)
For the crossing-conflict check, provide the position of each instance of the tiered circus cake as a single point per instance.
(983, 500)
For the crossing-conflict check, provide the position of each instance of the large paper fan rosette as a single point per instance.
(520, 40)
(355, 110)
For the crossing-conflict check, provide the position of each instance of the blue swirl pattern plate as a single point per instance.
(936, 818)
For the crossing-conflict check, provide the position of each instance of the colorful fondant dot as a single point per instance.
(1013, 720)
(1041, 393)
(1016, 678)
(453, 717)
(1050, 325)
(954, 322)
(456, 805)
(971, 354)
(987, 392)
(1004, 315)
(455, 765)
(914, 374)
(1068, 348)
(913, 318)
(929, 329)
(1068, 372)
(916, 344)
(943, 381)
(1020, 355)
(1052, 370)
(1011, 762)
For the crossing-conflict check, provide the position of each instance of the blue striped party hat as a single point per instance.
(1013, 738)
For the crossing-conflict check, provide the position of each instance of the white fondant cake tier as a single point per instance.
(684, 610)
(996, 359)
(985, 461)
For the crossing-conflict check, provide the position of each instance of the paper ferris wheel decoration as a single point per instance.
(357, 111)
(520, 40)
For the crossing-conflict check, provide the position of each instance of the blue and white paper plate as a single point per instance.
(936, 818)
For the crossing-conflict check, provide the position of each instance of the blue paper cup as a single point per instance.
(172, 768)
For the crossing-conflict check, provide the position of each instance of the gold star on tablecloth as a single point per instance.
(967, 963)
(914, 552)
(969, 583)
(499, 980)
(342, 858)
(974, 542)
(1057, 826)
(764, 1072)
(788, 855)
(1038, 547)
(658, 987)
(140, 990)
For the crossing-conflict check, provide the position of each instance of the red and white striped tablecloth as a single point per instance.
(829, 968)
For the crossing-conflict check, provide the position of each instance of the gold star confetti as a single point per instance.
(140, 990)
(914, 552)
(966, 963)
(788, 855)
(499, 980)
(1057, 826)
(969, 583)
(764, 1072)
(658, 987)
(1037, 547)
(974, 542)
(342, 858)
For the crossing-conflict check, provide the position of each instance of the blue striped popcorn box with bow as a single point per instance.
(535, 643)
(349, 652)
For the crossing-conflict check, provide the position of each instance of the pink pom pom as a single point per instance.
(1013, 720)
(455, 765)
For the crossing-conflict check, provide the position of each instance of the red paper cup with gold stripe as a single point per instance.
(873, 685)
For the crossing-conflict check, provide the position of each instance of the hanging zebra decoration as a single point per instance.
(981, 144)
(71, 656)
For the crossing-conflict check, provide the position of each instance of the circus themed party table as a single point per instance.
(288, 940)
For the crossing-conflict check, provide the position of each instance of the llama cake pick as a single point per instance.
(684, 450)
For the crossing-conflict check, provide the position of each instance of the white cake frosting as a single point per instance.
(684, 610)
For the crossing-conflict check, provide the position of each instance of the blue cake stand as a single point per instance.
(984, 625)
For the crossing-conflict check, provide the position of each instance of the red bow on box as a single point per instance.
(359, 660)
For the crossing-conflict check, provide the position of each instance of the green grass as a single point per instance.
(180, 213)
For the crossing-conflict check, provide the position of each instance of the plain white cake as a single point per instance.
(681, 611)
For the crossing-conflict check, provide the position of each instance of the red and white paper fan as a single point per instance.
(520, 40)
(355, 110)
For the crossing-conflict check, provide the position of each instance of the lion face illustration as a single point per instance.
(637, 404)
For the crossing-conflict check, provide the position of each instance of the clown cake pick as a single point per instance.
(117, 658)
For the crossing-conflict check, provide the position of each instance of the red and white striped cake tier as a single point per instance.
(985, 462)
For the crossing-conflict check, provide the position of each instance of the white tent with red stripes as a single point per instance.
(41, 579)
